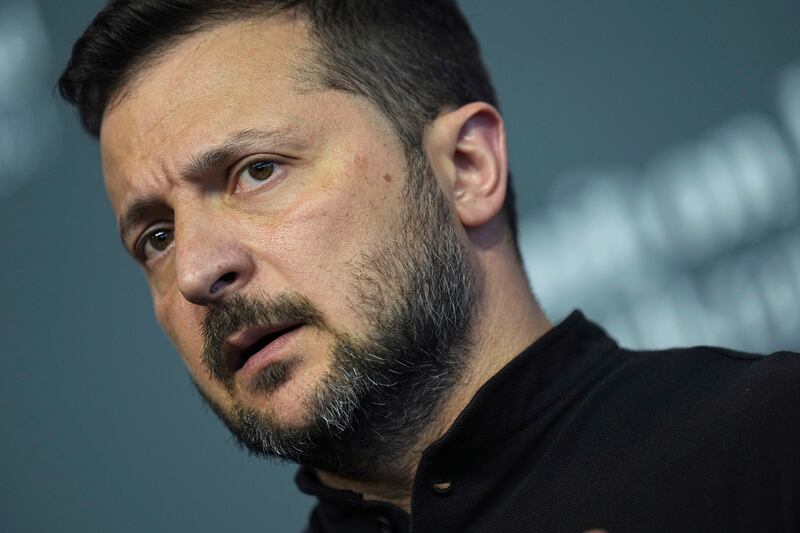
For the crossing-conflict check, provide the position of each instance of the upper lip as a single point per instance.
(247, 341)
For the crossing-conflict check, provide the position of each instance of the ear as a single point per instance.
(467, 150)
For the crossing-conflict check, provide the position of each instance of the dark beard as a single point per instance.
(417, 294)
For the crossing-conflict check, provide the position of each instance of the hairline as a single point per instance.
(317, 71)
(307, 77)
(308, 73)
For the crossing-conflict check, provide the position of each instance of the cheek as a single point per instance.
(162, 305)
(181, 321)
(317, 244)
(182, 324)
(162, 281)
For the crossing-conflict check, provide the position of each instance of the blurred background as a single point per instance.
(655, 149)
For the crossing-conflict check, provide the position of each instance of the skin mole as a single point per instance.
(387, 177)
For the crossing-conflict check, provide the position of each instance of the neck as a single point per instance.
(508, 321)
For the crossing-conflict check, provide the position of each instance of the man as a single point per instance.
(317, 192)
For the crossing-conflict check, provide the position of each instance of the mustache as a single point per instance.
(239, 312)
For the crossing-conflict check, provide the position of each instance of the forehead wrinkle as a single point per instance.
(141, 71)
(200, 47)
(158, 66)
(176, 108)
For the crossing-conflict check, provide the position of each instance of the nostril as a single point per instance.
(223, 282)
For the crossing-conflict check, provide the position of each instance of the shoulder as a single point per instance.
(723, 369)
(709, 413)
(766, 388)
(702, 433)
(710, 365)
(703, 387)
(776, 373)
(720, 389)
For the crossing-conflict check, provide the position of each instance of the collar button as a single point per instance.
(442, 487)
(384, 524)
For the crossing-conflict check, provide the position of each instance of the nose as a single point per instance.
(211, 265)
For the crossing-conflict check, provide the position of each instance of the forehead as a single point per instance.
(201, 89)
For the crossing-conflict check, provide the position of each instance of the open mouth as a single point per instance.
(248, 351)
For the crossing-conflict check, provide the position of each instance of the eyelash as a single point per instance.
(144, 239)
(236, 176)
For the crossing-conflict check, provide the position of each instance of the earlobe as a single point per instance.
(467, 150)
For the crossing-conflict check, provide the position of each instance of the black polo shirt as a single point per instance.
(577, 433)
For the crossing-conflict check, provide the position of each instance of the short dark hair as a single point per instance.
(410, 58)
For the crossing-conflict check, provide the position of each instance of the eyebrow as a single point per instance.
(202, 164)
(233, 146)
(139, 211)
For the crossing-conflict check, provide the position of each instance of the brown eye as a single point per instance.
(257, 174)
(160, 240)
(154, 243)
(261, 170)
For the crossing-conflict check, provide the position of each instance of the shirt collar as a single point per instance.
(520, 394)
(523, 391)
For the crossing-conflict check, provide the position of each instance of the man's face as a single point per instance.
(286, 259)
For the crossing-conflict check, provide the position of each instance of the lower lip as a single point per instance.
(269, 353)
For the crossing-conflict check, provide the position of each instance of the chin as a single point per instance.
(287, 406)
(281, 393)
